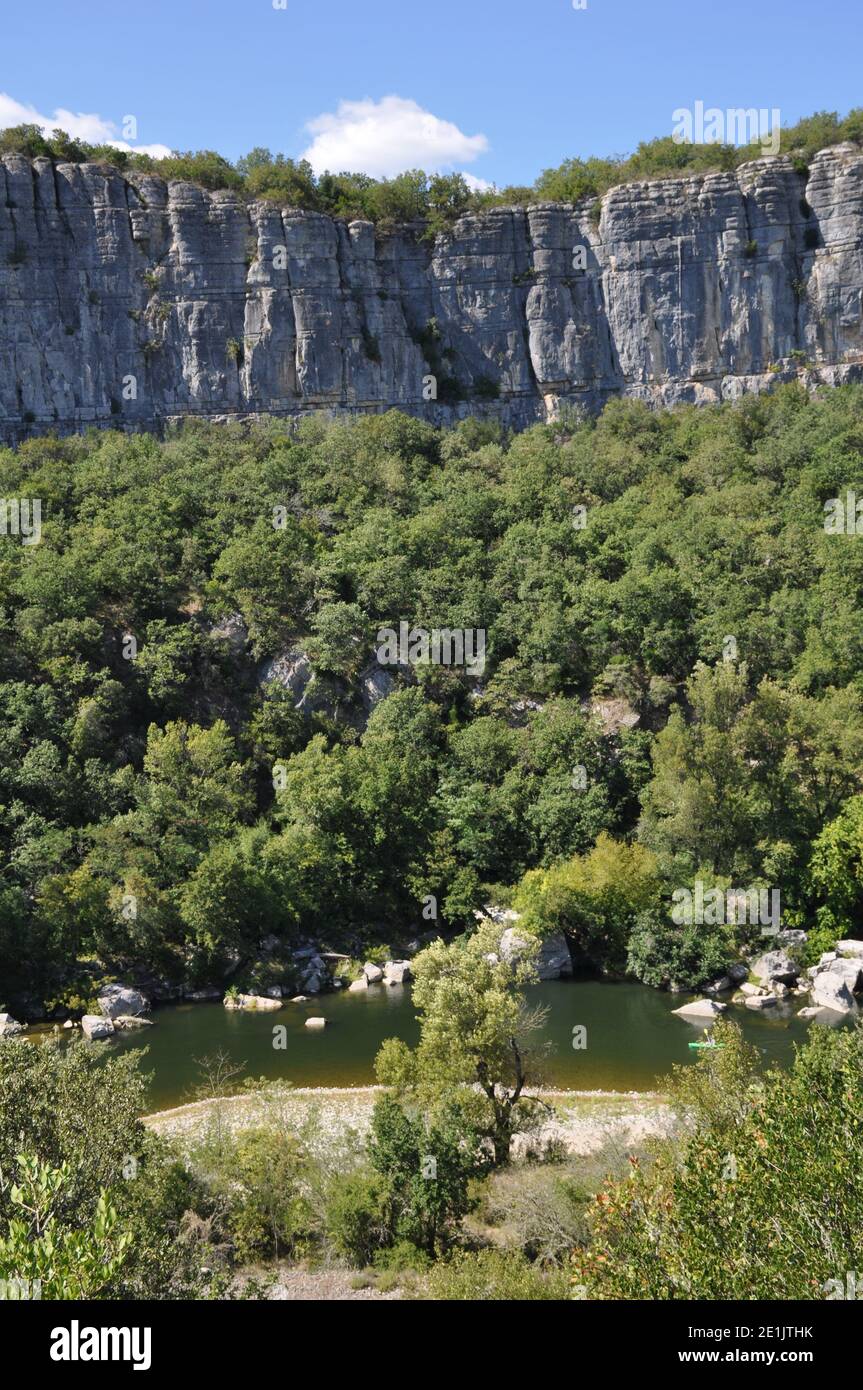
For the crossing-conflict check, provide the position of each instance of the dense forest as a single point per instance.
(672, 686)
(437, 199)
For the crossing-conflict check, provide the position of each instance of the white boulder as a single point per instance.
(830, 991)
(397, 972)
(252, 1002)
(700, 1008)
(848, 970)
(96, 1028)
(115, 1000)
(373, 973)
(775, 965)
(849, 947)
(316, 1023)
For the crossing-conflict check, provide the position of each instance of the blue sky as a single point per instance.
(498, 88)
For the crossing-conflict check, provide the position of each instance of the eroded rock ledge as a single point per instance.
(696, 289)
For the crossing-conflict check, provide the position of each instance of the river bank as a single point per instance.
(585, 1123)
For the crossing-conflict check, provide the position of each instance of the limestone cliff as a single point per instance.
(126, 300)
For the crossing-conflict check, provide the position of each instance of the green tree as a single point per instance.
(476, 1034)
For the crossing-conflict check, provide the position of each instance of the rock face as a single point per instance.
(831, 991)
(9, 1026)
(126, 301)
(835, 980)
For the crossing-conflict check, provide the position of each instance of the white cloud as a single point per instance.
(82, 125)
(477, 185)
(383, 138)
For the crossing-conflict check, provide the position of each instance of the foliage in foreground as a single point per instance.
(764, 1200)
(91, 1204)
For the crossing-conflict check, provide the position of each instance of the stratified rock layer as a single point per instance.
(129, 301)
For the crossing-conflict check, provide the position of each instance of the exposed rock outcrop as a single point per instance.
(117, 1000)
(125, 300)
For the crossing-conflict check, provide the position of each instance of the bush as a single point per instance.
(715, 1218)
(402, 1258)
(357, 1217)
(262, 1181)
(427, 1167)
(493, 1275)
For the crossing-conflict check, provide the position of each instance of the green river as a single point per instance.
(633, 1038)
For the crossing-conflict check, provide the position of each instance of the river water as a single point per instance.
(633, 1038)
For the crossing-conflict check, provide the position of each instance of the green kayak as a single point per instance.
(710, 1046)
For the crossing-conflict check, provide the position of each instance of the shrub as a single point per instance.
(358, 1217)
(262, 1181)
(714, 1220)
(493, 1275)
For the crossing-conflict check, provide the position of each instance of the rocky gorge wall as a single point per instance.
(128, 301)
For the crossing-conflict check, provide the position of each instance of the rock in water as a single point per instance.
(700, 1008)
(397, 972)
(553, 961)
(115, 1000)
(252, 1003)
(96, 1028)
(775, 965)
